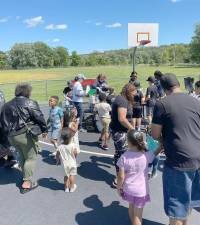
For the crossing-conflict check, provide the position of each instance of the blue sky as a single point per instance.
(88, 25)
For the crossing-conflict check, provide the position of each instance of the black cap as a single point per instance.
(169, 80)
(151, 79)
(136, 83)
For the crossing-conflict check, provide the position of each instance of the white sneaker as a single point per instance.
(67, 190)
(83, 130)
(74, 188)
(52, 154)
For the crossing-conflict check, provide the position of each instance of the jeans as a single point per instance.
(79, 108)
(181, 192)
(155, 164)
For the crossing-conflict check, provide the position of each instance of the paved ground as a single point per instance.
(94, 202)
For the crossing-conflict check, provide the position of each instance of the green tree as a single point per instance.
(195, 45)
(3, 60)
(22, 55)
(44, 54)
(61, 56)
(75, 59)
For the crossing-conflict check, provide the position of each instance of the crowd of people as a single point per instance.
(141, 125)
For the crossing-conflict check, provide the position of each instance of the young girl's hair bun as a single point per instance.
(137, 139)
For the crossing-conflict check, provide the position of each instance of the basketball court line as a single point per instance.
(82, 151)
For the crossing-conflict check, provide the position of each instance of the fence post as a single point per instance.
(46, 90)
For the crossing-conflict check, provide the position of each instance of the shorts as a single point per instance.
(137, 113)
(138, 202)
(105, 123)
(70, 171)
(55, 133)
(181, 192)
(120, 144)
(149, 110)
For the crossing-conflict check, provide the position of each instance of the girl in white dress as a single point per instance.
(67, 152)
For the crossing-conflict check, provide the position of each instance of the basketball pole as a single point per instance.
(134, 54)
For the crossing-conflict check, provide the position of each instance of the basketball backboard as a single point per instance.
(138, 32)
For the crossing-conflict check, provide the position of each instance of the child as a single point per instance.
(71, 121)
(137, 110)
(56, 121)
(151, 96)
(132, 181)
(103, 109)
(67, 151)
(196, 93)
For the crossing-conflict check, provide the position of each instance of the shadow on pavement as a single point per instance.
(93, 171)
(51, 183)
(114, 214)
(89, 144)
(46, 158)
(10, 176)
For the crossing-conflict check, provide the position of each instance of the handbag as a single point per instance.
(32, 129)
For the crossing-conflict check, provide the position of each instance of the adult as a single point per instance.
(67, 92)
(121, 120)
(77, 97)
(133, 77)
(196, 93)
(151, 97)
(101, 85)
(158, 76)
(22, 120)
(177, 119)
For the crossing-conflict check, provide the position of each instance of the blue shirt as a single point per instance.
(55, 117)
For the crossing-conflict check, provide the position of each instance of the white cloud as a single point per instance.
(4, 19)
(98, 23)
(114, 25)
(34, 22)
(18, 17)
(88, 21)
(175, 1)
(55, 40)
(56, 27)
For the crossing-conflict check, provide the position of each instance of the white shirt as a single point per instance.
(195, 96)
(77, 92)
(103, 109)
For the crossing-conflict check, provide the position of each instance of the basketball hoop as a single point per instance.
(144, 42)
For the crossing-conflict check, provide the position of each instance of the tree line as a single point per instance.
(40, 55)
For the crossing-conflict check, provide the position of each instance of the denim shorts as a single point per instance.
(181, 192)
(55, 133)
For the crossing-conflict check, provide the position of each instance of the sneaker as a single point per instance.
(53, 154)
(105, 147)
(66, 190)
(83, 130)
(74, 188)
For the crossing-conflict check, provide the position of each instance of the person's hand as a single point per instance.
(44, 135)
(57, 158)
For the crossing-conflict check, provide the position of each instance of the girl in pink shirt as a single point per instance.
(132, 181)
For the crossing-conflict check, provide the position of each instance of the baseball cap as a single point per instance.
(136, 83)
(151, 79)
(169, 80)
(80, 77)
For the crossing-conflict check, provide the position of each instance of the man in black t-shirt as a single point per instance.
(177, 119)
(151, 97)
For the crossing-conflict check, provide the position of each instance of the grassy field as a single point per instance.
(56, 78)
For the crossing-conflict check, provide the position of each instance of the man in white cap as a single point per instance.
(77, 97)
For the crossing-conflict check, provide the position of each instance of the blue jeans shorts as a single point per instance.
(181, 192)
(55, 133)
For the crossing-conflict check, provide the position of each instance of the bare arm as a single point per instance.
(122, 118)
(156, 131)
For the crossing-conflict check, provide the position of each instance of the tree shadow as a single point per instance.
(114, 214)
(46, 158)
(51, 183)
(93, 171)
(197, 209)
(10, 176)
